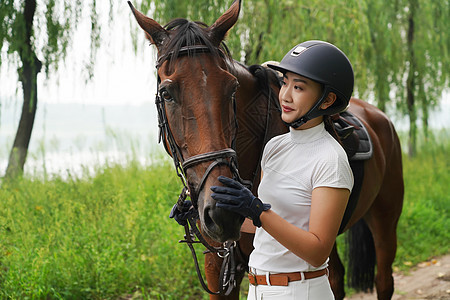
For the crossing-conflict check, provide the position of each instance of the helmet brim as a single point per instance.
(284, 69)
(278, 67)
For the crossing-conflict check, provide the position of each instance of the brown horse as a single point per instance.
(203, 95)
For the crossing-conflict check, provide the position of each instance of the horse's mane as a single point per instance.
(185, 33)
(266, 79)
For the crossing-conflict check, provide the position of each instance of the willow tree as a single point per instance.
(426, 46)
(267, 29)
(385, 54)
(373, 33)
(35, 36)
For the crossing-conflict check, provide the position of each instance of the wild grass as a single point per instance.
(100, 237)
(423, 230)
(107, 235)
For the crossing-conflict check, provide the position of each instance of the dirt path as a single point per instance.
(429, 280)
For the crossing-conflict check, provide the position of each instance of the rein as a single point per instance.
(226, 157)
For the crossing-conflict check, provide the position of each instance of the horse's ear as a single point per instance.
(220, 28)
(155, 33)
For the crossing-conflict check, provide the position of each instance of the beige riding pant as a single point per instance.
(310, 289)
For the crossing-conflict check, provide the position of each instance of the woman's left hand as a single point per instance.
(237, 198)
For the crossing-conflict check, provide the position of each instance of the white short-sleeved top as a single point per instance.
(294, 164)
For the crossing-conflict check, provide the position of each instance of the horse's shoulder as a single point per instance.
(367, 112)
(377, 122)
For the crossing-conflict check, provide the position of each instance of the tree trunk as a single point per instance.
(382, 84)
(31, 66)
(19, 150)
(425, 108)
(411, 82)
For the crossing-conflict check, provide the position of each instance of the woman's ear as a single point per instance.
(331, 97)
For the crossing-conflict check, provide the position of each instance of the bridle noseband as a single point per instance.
(227, 157)
(218, 158)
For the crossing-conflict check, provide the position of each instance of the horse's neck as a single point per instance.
(258, 93)
(258, 120)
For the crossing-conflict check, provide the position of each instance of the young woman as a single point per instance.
(306, 180)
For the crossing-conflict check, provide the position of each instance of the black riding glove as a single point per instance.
(239, 199)
(182, 216)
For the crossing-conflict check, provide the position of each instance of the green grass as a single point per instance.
(423, 230)
(100, 237)
(108, 235)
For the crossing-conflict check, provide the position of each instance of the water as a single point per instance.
(438, 118)
(78, 138)
(75, 138)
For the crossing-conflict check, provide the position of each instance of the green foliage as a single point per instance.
(385, 54)
(373, 34)
(431, 45)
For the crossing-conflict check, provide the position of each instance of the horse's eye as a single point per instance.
(166, 95)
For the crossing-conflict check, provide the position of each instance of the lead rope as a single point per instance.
(227, 278)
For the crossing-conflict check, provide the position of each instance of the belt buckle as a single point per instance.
(253, 276)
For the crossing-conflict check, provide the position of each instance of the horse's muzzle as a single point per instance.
(220, 224)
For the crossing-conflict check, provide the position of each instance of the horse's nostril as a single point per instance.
(220, 225)
(207, 217)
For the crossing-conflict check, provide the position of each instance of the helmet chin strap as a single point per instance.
(314, 112)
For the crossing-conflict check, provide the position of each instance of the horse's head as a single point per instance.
(196, 109)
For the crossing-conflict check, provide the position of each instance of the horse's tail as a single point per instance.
(361, 257)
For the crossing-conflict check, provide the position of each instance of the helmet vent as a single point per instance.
(297, 51)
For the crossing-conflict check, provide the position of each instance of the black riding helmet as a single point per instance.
(326, 64)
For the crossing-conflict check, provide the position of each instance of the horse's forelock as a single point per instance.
(185, 33)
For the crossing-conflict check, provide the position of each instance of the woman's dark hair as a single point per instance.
(329, 126)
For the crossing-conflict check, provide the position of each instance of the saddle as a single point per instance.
(357, 144)
(353, 135)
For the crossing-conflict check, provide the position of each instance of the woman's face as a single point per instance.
(297, 95)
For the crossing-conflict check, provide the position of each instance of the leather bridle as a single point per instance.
(220, 157)
(217, 158)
